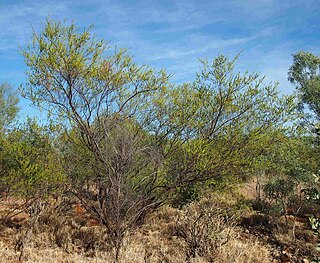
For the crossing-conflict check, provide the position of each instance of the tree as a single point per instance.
(139, 137)
(215, 125)
(8, 113)
(31, 172)
(8, 106)
(305, 74)
(30, 165)
(96, 95)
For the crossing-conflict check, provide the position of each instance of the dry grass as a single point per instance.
(58, 239)
(154, 250)
(239, 251)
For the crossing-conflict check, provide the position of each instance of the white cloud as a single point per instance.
(171, 36)
(17, 20)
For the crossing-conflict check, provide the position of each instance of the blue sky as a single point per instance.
(174, 34)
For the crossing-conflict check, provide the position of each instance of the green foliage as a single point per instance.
(283, 169)
(306, 75)
(217, 124)
(132, 140)
(315, 225)
(314, 195)
(78, 78)
(77, 161)
(96, 94)
(8, 107)
(31, 164)
(279, 189)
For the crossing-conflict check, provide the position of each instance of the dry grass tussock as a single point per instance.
(204, 231)
(144, 248)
